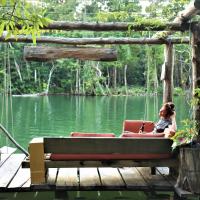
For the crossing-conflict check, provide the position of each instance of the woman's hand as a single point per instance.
(169, 132)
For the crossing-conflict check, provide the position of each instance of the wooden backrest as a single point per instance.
(68, 145)
(135, 125)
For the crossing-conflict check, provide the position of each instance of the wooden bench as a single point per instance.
(96, 152)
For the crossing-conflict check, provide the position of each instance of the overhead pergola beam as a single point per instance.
(100, 41)
(185, 15)
(114, 26)
(191, 10)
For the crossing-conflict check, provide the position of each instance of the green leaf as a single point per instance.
(9, 33)
(3, 2)
(34, 37)
(2, 25)
(12, 2)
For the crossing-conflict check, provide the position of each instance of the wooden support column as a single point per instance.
(196, 67)
(167, 74)
(36, 150)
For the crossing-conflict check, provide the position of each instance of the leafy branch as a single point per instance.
(19, 17)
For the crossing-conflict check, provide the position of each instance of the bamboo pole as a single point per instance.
(87, 41)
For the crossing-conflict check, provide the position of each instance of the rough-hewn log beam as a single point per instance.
(86, 41)
(192, 9)
(113, 26)
(41, 53)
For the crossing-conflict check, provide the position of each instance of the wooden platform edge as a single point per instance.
(184, 194)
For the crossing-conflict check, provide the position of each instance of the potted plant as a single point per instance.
(187, 135)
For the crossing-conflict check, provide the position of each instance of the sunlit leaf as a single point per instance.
(3, 2)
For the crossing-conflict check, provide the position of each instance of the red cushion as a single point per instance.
(79, 134)
(140, 135)
(135, 125)
(64, 157)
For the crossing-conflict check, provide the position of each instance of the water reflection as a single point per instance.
(79, 195)
(60, 115)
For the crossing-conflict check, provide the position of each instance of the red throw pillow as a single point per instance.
(79, 134)
(145, 135)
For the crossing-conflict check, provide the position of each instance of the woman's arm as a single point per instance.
(169, 132)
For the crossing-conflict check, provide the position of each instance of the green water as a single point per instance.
(60, 115)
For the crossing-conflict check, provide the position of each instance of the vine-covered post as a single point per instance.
(196, 70)
(167, 73)
(189, 171)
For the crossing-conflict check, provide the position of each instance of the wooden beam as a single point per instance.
(86, 41)
(112, 26)
(192, 9)
(43, 53)
(167, 74)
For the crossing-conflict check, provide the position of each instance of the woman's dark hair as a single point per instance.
(170, 108)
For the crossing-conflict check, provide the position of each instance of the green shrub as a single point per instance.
(178, 91)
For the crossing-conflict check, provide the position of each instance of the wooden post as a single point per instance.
(37, 167)
(167, 74)
(196, 68)
(189, 172)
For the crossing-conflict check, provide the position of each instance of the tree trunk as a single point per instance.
(148, 69)
(98, 74)
(115, 78)
(179, 72)
(167, 74)
(49, 79)
(41, 53)
(125, 79)
(77, 90)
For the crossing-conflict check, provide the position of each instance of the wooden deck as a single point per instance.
(13, 178)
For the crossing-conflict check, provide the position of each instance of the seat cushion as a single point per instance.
(140, 135)
(135, 126)
(80, 134)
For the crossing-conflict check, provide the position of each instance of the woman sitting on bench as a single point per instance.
(167, 122)
(165, 127)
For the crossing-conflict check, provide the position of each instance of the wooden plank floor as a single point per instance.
(14, 178)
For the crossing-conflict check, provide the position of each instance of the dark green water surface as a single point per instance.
(60, 115)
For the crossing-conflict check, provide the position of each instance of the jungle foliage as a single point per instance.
(138, 67)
